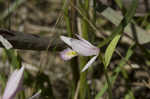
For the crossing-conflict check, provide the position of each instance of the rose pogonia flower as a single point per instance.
(81, 47)
(14, 84)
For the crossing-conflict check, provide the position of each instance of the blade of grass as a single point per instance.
(110, 50)
(14, 58)
(108, 54)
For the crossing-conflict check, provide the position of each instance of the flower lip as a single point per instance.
(67, 54)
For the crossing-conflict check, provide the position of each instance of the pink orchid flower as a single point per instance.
(81, 47)
(14, 85)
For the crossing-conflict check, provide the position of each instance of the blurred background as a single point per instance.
(96, 21)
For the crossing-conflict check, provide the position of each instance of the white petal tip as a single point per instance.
(83, 70)
(62, 37)
(67, 40)
(5, 43)
(89, 63)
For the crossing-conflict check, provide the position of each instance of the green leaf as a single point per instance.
(14, 58)
(110, 50)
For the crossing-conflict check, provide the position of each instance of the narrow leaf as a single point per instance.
(110, 50)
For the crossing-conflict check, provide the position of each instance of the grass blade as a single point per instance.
(110, 50)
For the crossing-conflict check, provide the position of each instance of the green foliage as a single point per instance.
(14, 58)
(110, 50)
(116, 72)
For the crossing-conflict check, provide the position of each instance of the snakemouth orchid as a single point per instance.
(81, 47)
(14, 85)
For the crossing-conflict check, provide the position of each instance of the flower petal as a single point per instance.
(14, 84)
(89, 63)
(67, 40)
(83, 48)
(85, 41)
(67, 54)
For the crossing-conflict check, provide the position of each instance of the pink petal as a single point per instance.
(67, 40)
(89, 63)
(67, 54)
(85, 41)
(83, 48)
(14, 84)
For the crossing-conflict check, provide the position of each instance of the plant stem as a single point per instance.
(109, 83)
(71, 22)
(106, 76)
(84, 90)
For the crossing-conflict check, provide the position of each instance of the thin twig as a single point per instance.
(27, 41)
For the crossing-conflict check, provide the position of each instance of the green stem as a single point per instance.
(84, 90)
(107, 77)
(74, 61)
(71, 23)
(109, 84)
